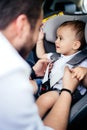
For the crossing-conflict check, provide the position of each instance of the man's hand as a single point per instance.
(68, 81)
(40, 67)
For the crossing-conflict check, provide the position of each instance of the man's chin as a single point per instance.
(25, 52)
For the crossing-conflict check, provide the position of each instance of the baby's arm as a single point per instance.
(79, 72)
(40, 50)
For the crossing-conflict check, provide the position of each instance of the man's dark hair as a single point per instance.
(79, 27)
(11, 9)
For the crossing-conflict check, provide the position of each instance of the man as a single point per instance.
(19, 25)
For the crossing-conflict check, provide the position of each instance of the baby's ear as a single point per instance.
(76, 45)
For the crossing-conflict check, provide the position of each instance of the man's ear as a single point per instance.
(21, 22)
(76, 45)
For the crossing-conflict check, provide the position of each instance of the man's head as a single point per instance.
(11, 9)
(20, 21)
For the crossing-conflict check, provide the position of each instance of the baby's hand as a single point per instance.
(79, 72)
(41, 35)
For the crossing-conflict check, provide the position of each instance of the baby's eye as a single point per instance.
(59, 37)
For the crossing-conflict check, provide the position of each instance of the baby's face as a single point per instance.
(65, 40)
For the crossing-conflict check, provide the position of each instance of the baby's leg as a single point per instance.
(46, 101)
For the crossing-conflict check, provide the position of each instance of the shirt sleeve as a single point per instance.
(18, 110)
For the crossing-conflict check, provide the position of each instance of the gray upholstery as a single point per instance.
(79, 108)
(52, 24)
(86, 32)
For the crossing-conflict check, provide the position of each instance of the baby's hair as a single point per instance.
(79, 27)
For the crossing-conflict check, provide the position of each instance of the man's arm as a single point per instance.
(58, 116)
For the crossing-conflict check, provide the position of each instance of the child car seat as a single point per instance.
(78, 114)
(51, 26)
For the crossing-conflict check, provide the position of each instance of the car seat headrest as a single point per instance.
(52, 24)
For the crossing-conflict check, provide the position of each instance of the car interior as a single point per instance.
(55, 13)
(78, 114)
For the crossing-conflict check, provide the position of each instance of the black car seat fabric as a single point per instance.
(86, 32)
(78, 114)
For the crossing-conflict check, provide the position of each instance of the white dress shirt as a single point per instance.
(18, 110)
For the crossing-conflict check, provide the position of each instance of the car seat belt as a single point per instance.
(77, 59)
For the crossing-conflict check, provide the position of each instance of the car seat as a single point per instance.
(51, 26)
(78, 113)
